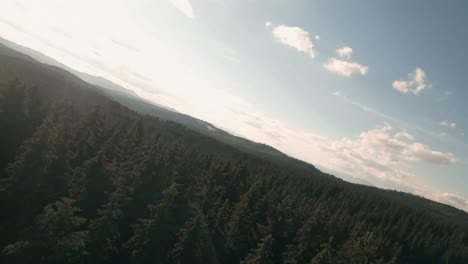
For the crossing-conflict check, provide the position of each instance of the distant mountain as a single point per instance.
(136, 103)
(37, 56)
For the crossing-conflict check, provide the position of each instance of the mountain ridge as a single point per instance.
(144, 106)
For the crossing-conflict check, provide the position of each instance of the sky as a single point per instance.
(371, 91)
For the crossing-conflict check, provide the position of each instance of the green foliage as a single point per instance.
(152, 237)
(16, 248)
(194, 243)
(361, 248)
(56, 236)
(262, 254)
(85, 180)
(326, 255)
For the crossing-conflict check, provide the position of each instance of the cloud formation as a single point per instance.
(294, 37)
(344, 67)
(421, 152)
(344, 52)
(452, 199)
(392, 148)
(382, 156)
(448, 124)
(415, 84)
(185, 7)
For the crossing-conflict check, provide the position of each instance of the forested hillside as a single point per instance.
(132, 101)
(84, 179)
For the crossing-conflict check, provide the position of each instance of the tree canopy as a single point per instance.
(84, 179)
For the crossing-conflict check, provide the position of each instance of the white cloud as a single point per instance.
(185, 7)
(396, 147)
(294, 37)
(404, 135)
(420, 152)
(345, 68)
(415, 84)
(385, 158)
(268, 24)
(448, 124)
(452, 199)
(345, 52)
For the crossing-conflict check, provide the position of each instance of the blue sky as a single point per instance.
(373, 91)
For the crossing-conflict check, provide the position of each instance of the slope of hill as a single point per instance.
(86, 179)
(131, 100)
(13, 49)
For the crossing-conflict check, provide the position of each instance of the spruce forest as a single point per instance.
(87, 179)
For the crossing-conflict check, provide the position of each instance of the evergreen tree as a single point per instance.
(56, 237)
(262, 254)
(326, 255)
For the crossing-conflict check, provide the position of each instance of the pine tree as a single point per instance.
(326, 255)
(152, 237)
(262, 254)
(57, 233)
(194, 244)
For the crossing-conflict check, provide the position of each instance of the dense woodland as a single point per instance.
(84, 179)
